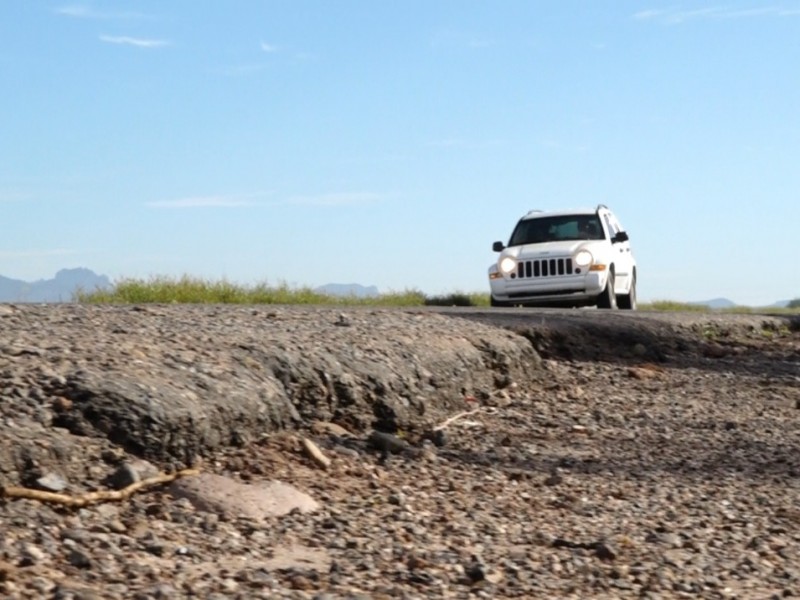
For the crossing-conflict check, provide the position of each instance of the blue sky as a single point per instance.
(390, 143)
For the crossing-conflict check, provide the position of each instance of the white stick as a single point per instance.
(455, 418)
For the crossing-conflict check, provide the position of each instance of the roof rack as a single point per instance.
(599, 206)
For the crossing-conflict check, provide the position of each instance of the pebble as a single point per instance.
(79, 558)
(52, 482)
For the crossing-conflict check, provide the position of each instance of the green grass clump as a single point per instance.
(771, 310)
(412, 297)
(673, 306)
(458, 299)
(190, 290)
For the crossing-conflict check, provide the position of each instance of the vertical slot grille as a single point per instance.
(548, 267)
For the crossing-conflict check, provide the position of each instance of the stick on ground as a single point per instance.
(454, 418)
(93, 497)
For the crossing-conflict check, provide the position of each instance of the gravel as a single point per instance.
(650, 467)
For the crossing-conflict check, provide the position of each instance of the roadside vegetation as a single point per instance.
(673, 306)
(190, 290)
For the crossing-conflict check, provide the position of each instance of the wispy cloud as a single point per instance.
(246, 69)
(132, 41)
(17, 254)
(676, 16)
(203, 202)
(82, 11)
(336, 199)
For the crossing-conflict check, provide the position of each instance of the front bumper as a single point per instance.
(556, 290)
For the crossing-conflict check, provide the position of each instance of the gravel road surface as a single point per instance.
(343, 453)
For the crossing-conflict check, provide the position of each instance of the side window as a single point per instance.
(612, 225)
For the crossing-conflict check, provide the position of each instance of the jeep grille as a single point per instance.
(546, 267)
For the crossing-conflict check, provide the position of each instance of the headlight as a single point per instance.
(583, 258)
(507, 265)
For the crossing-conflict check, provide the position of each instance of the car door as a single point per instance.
(623, 257)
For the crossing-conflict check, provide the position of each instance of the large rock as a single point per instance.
(258, 501)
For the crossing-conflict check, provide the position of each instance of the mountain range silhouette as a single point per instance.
(61, 288)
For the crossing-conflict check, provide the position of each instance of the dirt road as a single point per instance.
(528, 454)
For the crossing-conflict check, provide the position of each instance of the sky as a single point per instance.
(390, 143)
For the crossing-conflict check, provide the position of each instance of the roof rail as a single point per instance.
(599, 206)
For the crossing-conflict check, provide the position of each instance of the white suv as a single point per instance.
(565, 258)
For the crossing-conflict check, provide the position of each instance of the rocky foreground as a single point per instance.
(283, 452)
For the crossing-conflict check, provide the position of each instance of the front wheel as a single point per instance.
(607, 298)
(628, 301)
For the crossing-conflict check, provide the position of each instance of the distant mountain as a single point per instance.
(722, 303)
(716, 303)
(779, 304)
(348, 289)
(59, 289)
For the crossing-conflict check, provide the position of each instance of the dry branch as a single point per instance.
(454, 418)
(93, 497)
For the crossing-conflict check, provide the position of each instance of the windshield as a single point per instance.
(557, 229)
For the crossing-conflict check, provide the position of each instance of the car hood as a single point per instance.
(555, 249)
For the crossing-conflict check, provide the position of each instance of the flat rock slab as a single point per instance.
(258, 501)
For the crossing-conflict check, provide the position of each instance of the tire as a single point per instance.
(496, 303)
(628, 301)
(607, 298)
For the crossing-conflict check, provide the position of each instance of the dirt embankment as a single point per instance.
(173, 383)
(679, 339)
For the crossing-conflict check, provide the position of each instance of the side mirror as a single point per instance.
(498, 246)
(621, 236)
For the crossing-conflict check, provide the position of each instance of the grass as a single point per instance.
(191, 290)
(673, 306)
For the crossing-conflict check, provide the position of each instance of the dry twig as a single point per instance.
(93, 497)
(444, 424)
